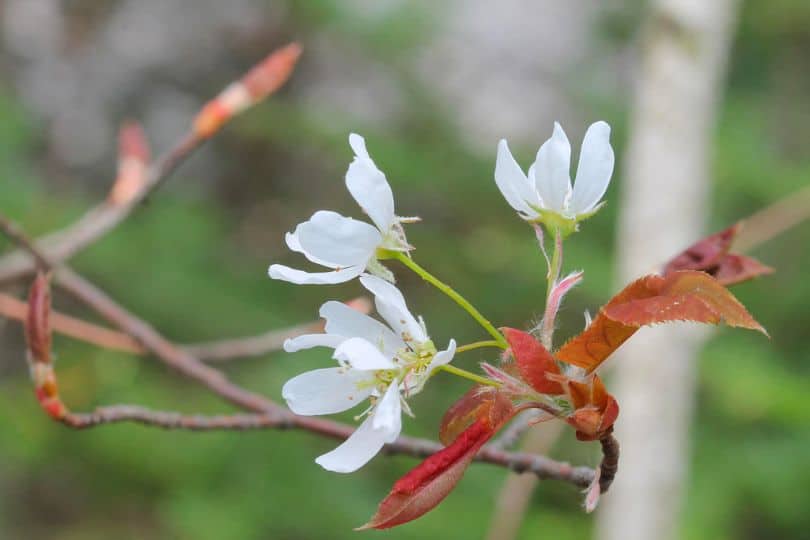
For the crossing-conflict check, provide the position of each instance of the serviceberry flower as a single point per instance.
(382, 363)
(347, 246)
(545, 193)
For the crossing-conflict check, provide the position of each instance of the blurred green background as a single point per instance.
(193, 261)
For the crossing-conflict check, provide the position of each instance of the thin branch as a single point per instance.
(228, 349)
(511, 434)
(774, 220)
(610, 461)
(98, 221)
(14, 308)
(212, 351)
(277, 416)
(258, 83)
(166, 420)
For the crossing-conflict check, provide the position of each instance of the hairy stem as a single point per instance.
(468, 375)
(554, 269)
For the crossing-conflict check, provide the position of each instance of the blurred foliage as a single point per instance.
(195, 266)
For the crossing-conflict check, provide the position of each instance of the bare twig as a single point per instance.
(166, 420)
(610, 461)
(228, 349)
(512, 433)
(257, 84)
(76, 328)
(212, 351)
(774, 220)
(63, 244)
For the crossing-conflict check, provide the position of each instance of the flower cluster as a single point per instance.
(384, 363)
(381, 364)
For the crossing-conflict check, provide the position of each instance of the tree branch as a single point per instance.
(212, 351)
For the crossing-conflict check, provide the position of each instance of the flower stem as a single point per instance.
(554, 269)
(468, 375)
(477, 345)
(456, 297)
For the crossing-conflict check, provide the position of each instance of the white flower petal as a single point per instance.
(342, 241)
(358, 449)
(513, 184)
(387, 413)
(326, 391)
(291, 238)
(595, 167)
(346, 322)
(362, 355)
(368, 186)
(299, 277)
(551, 167)
(391, 305)
(308, 341)
(444, 357)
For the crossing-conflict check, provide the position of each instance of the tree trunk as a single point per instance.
(665, 192)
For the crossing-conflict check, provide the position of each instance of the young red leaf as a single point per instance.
(685, 295)
(533, 361)
(431, 481)
(735, 269)
(479, 402)
(712, 256)
(595, 410)
(705, 253)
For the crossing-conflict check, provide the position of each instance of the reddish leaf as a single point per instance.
(579, 394)
(680, 296)
(37, 322)
(686, 296)
(595, 409)
(431, 481)
(479, 403)
(705, 253)
(610, 414)
(712, 256)
(735, 269)
(533, 361)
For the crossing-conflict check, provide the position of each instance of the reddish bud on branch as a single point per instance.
(133, 161)
(38, 338)
(258, 83)
(37, 321)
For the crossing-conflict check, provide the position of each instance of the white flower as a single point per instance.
(345, 245)
(384, 363)
(548, 184)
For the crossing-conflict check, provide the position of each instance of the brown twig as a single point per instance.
(258, 83)
(774, 219)
(166, 420)
(212, 351)
(13, 308)
(228, 349)
(610, 461)
(61, 245)
(277, 417)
